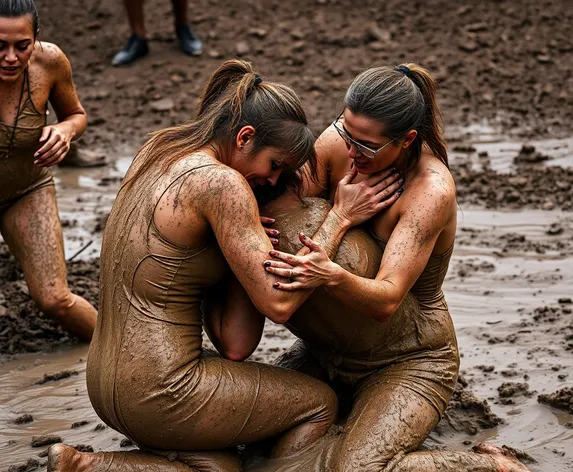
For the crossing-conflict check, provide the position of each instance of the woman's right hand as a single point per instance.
(356, 203)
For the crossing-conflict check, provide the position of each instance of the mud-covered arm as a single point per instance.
(407, 252)
(231, 321)
(229, 206)
(72, 118)
(424, 216)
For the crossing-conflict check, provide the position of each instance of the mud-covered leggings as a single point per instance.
(247, 402)
(387, 421)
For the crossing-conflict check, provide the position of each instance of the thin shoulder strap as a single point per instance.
(19, 108)
(188, 171)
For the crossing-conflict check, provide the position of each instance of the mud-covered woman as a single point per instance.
(186, 222)
(378, 329)
(34, 73)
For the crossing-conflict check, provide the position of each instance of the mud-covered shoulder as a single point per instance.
(436, 179)
(52, 59)
(218, 185)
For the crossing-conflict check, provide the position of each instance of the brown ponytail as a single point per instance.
(234, 97)
(401, 98)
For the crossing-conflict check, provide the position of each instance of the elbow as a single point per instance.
(237, 353)
(385, 312)
(278, 312)
(237, 356)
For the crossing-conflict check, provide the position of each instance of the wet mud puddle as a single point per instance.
(509, 290)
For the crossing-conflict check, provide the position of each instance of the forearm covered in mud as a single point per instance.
(374, 298)
(329, 235)
(230, 208)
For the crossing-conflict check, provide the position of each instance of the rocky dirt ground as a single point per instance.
(507, 64)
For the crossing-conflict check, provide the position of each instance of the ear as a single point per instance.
(409, 138)
(245, 134)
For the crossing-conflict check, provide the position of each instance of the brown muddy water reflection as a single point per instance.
(505, 266)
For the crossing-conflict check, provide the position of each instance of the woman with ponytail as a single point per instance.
(379, 331)
(34, 73)
(185, 222)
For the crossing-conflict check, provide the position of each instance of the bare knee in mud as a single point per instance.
(55, 305)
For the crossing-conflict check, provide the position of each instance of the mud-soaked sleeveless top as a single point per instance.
(354, 344)
(149, 327)
(18, 143)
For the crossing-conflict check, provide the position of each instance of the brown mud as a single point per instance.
(506, 91)
(508, 63)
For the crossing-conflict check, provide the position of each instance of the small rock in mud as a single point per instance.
(555, 229)
(23, 419)
(46, 440)
(528, 155)
(466, 413)
(83, 448)
(565, 301)
(512, 389)
(561, 399)
(79, 424)
(64, 374)
(126, 442)
(29, 466)
(99, 427)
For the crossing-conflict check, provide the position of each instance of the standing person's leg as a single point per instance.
(188, 41)
(134, 9)
(31, 228)
(136, 46)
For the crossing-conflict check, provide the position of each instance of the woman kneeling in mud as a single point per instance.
(33, 73)
(379, 331)
(184, 221)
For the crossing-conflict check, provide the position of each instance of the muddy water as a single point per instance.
(495, 283)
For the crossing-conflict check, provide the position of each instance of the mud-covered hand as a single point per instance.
(273, 234)
(302, 272)
(356, 203)
(56, 144)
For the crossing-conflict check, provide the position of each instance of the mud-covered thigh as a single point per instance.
(227, 403)
(31, 227)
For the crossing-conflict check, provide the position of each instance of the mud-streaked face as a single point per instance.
(263, 168)
(360, 132)
(16, 46)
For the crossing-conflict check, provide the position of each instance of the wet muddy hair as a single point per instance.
(234, 97)
(401, 98)
(19, 8)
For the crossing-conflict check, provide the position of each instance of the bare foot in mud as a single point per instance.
(62, 458)
(504, 457)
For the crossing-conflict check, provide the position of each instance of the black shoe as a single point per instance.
(189, 43)
(135, 48)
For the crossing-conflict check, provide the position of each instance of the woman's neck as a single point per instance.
(401, 163)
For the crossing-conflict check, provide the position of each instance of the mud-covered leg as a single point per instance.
(62, 458)
(31, 228)
(487, 458)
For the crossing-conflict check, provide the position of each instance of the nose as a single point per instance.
(11, 55)
(353, 152)
(273, 178)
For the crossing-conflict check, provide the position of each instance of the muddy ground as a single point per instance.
(506, 89)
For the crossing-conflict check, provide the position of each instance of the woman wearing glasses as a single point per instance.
(377, 327)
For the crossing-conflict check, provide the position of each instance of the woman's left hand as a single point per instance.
(302, 272)
(56, 139)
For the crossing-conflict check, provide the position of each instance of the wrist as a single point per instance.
(68, 129)
(336, 275)
(340, 220)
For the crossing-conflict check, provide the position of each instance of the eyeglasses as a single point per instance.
(362, 149)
